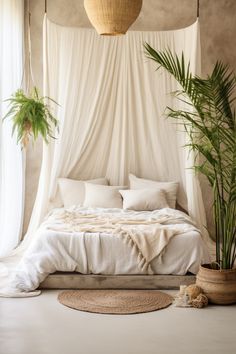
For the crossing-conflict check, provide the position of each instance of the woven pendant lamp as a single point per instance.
(112, 17)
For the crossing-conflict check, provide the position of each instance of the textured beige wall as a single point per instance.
(218, 31)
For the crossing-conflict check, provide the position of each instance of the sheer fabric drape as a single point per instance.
(112, 121)
(111, 112)
(11, 156)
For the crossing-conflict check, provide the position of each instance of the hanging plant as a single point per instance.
(31, 116)
(30, 112)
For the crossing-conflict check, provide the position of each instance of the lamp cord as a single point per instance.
(198, 8)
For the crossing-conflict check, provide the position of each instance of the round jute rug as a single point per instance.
(115, 301)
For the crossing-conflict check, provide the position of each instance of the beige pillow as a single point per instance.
(73, 191)
(170, 188)
(98, 196)
(144, 199)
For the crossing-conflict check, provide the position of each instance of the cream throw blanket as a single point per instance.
(147, 238)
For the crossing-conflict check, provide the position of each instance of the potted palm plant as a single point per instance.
(210, 122)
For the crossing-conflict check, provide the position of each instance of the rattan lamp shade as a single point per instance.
(112, 17)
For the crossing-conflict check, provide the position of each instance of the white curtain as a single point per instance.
(111, 112)
(11, 156)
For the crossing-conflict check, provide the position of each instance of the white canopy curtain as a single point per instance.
(111, 112)
(11, 156)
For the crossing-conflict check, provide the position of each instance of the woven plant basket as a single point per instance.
(112, 17)
(218, 285)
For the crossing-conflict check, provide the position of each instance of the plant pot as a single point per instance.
(218, 285)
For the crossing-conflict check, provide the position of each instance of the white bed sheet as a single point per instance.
(103, 253)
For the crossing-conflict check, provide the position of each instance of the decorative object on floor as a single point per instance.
(182, 298)
(210, 121)
(193, 291)
(115, 301)
(31, 116)
(200, 301)
(29, 111)
(190, 296)
(112, 17)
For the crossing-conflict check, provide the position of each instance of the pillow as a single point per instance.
(170, 188)
(144, 199)
(73, 191)
(98, 196)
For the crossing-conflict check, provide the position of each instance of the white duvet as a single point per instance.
(58, 248)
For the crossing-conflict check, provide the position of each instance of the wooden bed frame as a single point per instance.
(67, 280)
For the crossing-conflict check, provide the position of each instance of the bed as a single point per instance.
(60, 246)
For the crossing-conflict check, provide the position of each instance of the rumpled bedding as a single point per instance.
(72, 240)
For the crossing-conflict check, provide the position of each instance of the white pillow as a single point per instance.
(170, 188)
(73, 191)
(144, 199)
(98, 196)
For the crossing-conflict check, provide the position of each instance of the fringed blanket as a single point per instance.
(147, 238)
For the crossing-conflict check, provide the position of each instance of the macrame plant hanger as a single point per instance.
(28, 80)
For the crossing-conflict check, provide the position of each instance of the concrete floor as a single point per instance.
(41, 325)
